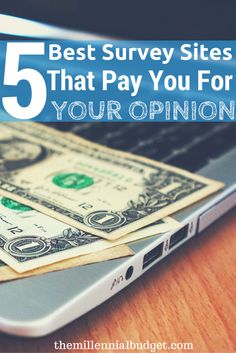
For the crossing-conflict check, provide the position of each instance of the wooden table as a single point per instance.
(188, 297)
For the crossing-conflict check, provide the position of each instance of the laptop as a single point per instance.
(39, 305)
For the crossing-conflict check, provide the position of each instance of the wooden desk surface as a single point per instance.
(188, 297)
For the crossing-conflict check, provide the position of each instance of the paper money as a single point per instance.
(7, 274)
(96, 189)
(54, 227)
(30, 239)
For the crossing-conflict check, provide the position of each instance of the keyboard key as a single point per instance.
(186, 145)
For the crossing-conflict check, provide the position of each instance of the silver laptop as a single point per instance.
(40, 305)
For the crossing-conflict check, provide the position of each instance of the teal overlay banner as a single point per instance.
(118, 81)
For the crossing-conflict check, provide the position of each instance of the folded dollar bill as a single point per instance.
(7, 273)
(101, 191)
(30, 239)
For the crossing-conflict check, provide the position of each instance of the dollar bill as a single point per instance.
(99, 190)
(120, 251)
(50, 225)
(30, 239)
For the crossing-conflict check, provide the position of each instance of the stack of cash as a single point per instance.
(66, 201)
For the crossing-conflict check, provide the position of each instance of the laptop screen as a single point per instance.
(152, 19)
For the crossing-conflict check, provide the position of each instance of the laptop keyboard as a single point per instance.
(187, 145)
